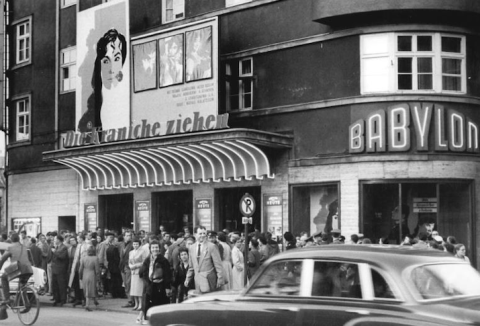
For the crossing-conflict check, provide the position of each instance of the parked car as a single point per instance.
(343, 285)
(38, 279)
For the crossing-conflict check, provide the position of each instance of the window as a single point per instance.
(434, 208)
(281, 279)
(23, 33)
(68, 3)
(23, 119)
(316, 208)
(173, 10)
(68, 69)
(239, 85)
(336, 279)
(230, 3)
(401, 62)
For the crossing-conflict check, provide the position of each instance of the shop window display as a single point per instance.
(428, 207)
(315, 209)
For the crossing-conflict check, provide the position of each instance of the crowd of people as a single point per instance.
(161, 267)
(422, 240)
(146, 268)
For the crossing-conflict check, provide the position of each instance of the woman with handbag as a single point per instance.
(19, 267)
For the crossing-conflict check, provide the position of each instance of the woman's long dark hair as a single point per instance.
(111, 36)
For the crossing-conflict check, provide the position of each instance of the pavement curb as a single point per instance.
(108, 305)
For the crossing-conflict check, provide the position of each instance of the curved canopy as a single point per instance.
(221, 159)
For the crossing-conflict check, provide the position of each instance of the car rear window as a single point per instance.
(282, 278)
(442, 281)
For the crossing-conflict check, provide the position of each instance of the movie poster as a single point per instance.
(171, 60)
(199, 54)
(103, 81)
(145, 66)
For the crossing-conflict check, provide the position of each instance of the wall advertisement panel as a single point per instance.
(90, 213)
(103, 57)
(175, 74)
(142, 215)
(203, 212)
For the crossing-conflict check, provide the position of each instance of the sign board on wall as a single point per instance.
(103, 67)
(175, 73)
(203, 212)
(424, 205)
(273, 213)
(90, 218)
(33, 226)
(142, 213)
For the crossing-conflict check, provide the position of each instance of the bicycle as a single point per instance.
(26, 303)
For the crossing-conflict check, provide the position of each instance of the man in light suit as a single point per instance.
(205, 264)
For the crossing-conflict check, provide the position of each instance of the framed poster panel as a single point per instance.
(90, 213)
(171, 60)
(198, 59)
(145, 66)
(203, 212)
(142, 215)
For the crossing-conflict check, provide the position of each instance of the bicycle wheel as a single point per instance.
(27, 305)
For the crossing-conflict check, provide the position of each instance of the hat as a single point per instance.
(211, 233)
(438, 238)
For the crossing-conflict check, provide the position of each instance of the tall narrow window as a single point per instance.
(23, 119)
(239, 85)
(68, 69)
(245, 83)
(173, 10)
(23, 42)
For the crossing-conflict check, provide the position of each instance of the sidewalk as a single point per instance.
(105, 304)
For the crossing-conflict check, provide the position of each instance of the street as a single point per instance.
(74, 316)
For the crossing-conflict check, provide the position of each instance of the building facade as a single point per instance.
(330, 114)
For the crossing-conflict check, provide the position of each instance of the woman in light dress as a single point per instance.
(226, 261)
(238, 265)
(135, 261)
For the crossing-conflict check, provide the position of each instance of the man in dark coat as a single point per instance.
(36, 254)
(59, 271)
(113, 266)
(124, 268)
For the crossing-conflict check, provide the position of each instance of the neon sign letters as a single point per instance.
(390, 130)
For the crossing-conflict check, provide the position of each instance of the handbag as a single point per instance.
(14, 269)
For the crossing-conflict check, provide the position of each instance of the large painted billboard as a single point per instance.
(103, 82)
(175, 73)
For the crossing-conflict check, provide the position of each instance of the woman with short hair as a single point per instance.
(89, 275)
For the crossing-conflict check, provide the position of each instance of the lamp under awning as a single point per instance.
(222, 156)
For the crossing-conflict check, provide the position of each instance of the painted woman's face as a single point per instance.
(111, 65)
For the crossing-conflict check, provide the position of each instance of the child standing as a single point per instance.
(179, 276)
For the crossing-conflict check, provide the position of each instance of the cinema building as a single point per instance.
(330, 114)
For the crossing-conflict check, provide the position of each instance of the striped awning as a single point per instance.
(222, 156)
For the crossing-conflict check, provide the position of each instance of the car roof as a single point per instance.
(398, 256)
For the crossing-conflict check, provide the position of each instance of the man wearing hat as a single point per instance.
(336, 234)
